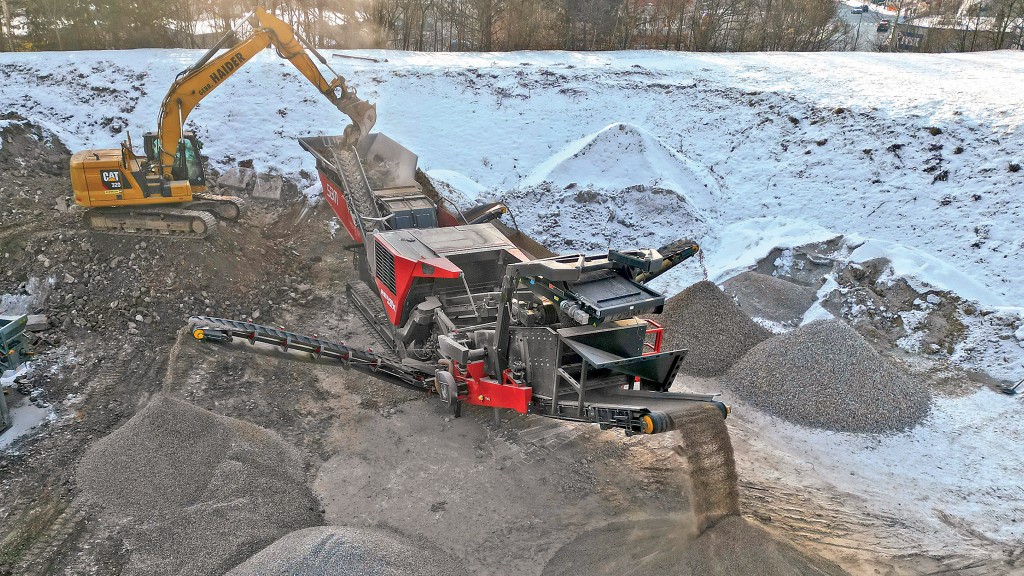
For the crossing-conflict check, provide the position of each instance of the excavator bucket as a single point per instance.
(363, 115)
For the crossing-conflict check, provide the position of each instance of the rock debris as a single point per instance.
(201, 492)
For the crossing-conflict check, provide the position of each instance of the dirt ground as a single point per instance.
(501, 492)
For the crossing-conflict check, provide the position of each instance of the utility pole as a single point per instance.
(856, 40)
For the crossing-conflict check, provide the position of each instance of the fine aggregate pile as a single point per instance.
(705, 321)
(825, 375)
(771, 298)
(732, 547)
(335, 550)
(195, 492)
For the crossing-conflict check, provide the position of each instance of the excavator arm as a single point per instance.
(196, 82)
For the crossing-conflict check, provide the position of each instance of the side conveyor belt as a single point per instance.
(211, 329)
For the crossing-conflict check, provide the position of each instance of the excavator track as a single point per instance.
(157, 221)
(224, 207)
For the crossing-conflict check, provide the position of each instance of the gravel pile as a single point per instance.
(705, 321)
(201, 492)
(731, 547)
(771, 298)
(334, 550)
(825, 375)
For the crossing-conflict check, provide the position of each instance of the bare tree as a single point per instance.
(6, 34)
(1008, 15)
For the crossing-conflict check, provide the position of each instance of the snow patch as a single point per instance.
(7, 377)
(314, 193)
(621, 156)
(464, 186)
(913, 320)
(990, 345)
(771, 325)
(817, 311)
(925, 272)
(957, 464)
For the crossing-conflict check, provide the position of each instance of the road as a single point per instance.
(868, 37)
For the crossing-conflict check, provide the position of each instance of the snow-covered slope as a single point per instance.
(907, 149)
(910, 151)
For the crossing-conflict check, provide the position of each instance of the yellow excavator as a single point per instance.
(162, 192)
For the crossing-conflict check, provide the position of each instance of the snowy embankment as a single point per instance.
(908, 156)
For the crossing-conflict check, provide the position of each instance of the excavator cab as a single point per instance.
(187, 164)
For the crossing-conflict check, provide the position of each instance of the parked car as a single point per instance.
(857, 10)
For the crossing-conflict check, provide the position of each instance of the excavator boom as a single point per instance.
(202, 78)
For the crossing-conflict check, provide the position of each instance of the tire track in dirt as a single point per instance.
(829, 524)
(50, 545)
(526, 439)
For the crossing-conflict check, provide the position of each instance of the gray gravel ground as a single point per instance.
(337, 550)
(706, 321)
(733, 547)
(201, 492)
(825, 375)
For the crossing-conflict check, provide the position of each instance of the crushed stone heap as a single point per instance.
(825, 375)
(202, 492)
(333, 550)
(771, 298)
(705, 321)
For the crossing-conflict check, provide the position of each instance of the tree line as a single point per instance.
(465, 25)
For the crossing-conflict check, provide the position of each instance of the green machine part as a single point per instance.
(13, 346)
(13, 353)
